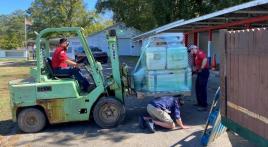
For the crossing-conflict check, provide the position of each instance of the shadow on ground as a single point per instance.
(6, 127)
(192, 140)
(88, 130)
(238, 141)
(64, 134)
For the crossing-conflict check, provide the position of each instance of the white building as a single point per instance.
(124, 35)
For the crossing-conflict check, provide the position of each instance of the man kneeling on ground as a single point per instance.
(162, 111)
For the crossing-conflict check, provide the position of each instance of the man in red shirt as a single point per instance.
(62, 65)
(202, 69)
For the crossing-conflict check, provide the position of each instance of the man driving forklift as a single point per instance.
(62, 65)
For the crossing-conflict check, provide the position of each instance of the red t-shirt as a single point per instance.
(59, 57)
(199, 57)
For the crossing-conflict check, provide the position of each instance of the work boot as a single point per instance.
(142, 124)
(150, 125)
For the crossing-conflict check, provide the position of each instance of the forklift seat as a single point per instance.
(54, 76)
(50, 70)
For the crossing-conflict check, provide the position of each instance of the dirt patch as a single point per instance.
(9, 141)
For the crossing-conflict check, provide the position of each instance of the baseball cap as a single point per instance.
(192, 47)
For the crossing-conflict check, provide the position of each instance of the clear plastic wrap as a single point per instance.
(163, 65)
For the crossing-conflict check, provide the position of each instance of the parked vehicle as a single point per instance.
(98, 54)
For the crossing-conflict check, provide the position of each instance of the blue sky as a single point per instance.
(8, 6)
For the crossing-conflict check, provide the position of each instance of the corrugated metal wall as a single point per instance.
(203, 43)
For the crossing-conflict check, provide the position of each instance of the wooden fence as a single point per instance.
(244, 83)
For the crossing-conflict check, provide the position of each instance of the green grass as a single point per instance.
(19, 69)
(7, 74)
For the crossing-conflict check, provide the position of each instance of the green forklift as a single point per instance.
(45, 97)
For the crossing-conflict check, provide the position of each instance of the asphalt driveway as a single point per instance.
(127, 134)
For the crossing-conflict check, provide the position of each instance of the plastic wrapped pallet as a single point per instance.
(138, 78)
(163, 66)
(155, 58)
(168, 80)
(177, 57)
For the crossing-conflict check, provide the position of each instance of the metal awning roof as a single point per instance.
(254, 13)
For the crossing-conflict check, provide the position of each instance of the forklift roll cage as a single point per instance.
(95, 67)
(77, 30)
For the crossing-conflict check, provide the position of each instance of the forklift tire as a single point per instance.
(108, 112)
(31, 120)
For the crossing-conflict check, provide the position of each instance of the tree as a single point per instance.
(58, 13)
(148, 14)
(135, 13)
(12, 30)
(62, 13)
(44, 14)
(95, 27)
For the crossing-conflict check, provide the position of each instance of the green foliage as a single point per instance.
(95, 27)
(58, 13)
(141, 14)
(45, 14)
(12, 30)
(136, 13)
(148, 14)
(62, 13)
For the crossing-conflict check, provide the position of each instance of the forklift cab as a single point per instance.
(85, 72)
(44, 72)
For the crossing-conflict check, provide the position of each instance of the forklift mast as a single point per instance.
(114, 58)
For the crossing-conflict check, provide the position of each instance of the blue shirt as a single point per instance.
(168, 104)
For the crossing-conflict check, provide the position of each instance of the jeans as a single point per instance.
(73, 72)
(201, 87)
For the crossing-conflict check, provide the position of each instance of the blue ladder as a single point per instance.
(214, 128)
